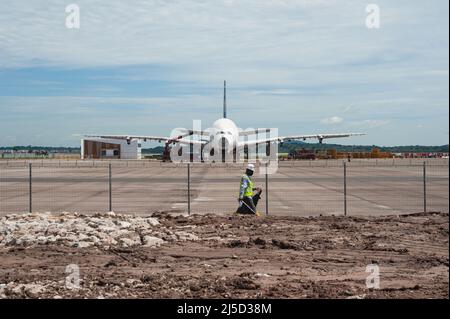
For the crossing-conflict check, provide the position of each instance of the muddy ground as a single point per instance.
(236, 257)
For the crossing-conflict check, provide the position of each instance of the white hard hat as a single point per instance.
(251, 167)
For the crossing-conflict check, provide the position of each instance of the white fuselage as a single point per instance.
(224, 131)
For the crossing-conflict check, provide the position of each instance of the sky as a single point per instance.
(145, 67)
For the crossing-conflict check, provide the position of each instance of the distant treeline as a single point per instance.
(50, 149)
(291, 146)
(284, 148)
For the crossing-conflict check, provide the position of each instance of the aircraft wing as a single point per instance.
(194, 132)
(131, 137)
(253, 132)
(280, 139)
(176, 139)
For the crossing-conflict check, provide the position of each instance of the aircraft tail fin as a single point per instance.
(224, 99)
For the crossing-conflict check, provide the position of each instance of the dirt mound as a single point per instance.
(162, 256)
(75, 230)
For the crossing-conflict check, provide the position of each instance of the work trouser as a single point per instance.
(251, 202)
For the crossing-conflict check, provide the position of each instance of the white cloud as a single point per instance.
(284, 43)
(373, 123)
(438, 72)
(289, 63)
(151, 31)
(293, 39)
(332, 120)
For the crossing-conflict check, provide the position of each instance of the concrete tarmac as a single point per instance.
(299, 189)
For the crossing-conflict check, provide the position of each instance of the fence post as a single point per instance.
(345, 189)
(189, 187)
(110, 187)
(267, 190)
(424, 187)
(30, 188)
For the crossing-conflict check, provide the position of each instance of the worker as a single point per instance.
(248, 200)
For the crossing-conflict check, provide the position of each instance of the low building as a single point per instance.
(107, 148)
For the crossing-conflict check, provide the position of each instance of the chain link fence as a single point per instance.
(298, 188)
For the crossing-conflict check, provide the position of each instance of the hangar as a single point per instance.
(110, 148)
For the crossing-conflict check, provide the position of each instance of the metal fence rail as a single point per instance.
(297, 188)
(62, 163)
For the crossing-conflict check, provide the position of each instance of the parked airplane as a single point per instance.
(225, 135)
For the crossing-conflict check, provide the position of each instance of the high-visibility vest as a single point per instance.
(248, 191)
